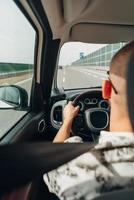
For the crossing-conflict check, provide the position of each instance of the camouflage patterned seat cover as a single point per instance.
(109, 166)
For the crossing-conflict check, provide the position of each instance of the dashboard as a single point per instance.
(92, 117)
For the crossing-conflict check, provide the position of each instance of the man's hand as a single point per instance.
(70, 112)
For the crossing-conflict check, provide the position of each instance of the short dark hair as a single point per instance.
(126, 49)
(125, 52)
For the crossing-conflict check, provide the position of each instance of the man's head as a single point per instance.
(115, 88)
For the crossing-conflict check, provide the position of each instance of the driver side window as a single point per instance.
(17, 43)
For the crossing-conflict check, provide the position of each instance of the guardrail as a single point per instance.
(12, 74)
(101, 68)
(106, 68)
(19, 73)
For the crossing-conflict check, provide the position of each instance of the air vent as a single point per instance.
(58, 114)
(41, 126)
(104, 104)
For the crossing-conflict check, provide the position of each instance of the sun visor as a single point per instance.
(101, 33)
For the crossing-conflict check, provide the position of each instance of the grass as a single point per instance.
(14, 67)
(15, 79)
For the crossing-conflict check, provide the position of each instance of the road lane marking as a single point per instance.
(21, 82)
(91, 73)
(103, 78)
(96, 73)
(64, 79)
(95, 76)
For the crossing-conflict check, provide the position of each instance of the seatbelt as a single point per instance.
(22, 163)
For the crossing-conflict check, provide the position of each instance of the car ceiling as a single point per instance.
(95, 21)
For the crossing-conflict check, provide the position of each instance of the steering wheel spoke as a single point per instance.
(92, 118)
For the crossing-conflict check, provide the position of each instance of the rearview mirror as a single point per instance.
(13, 96)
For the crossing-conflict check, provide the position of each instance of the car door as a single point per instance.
(23, 81)
(27, 62)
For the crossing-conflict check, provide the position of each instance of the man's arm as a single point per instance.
(69, 113)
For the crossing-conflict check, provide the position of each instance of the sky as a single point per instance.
(17, 36)
(17, 39)
(71, 51)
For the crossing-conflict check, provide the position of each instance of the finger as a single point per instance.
(70, 102)
(77, 108)
(73, 103)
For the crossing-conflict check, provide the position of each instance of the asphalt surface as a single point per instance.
(80, 77)
(71, 77)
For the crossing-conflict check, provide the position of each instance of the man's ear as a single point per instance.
(106, 89)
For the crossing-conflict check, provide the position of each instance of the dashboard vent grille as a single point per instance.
(58, 114)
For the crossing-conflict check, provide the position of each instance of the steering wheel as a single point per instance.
(93, 117)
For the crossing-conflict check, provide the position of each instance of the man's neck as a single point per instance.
(120, 123)
(121, 128)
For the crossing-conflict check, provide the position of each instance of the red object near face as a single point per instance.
(106, 89)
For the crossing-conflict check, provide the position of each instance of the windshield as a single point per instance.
(83, 65)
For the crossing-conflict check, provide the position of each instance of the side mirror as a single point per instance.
(13, 96)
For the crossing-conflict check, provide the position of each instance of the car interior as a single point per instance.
(27, 144)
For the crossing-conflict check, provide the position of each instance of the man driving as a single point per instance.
(110, 166)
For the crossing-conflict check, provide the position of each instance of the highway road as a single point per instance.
(70, 77)
(80, 77)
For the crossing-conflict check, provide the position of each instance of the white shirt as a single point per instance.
(108, 167)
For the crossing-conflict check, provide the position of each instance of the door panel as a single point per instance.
(31, 128)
